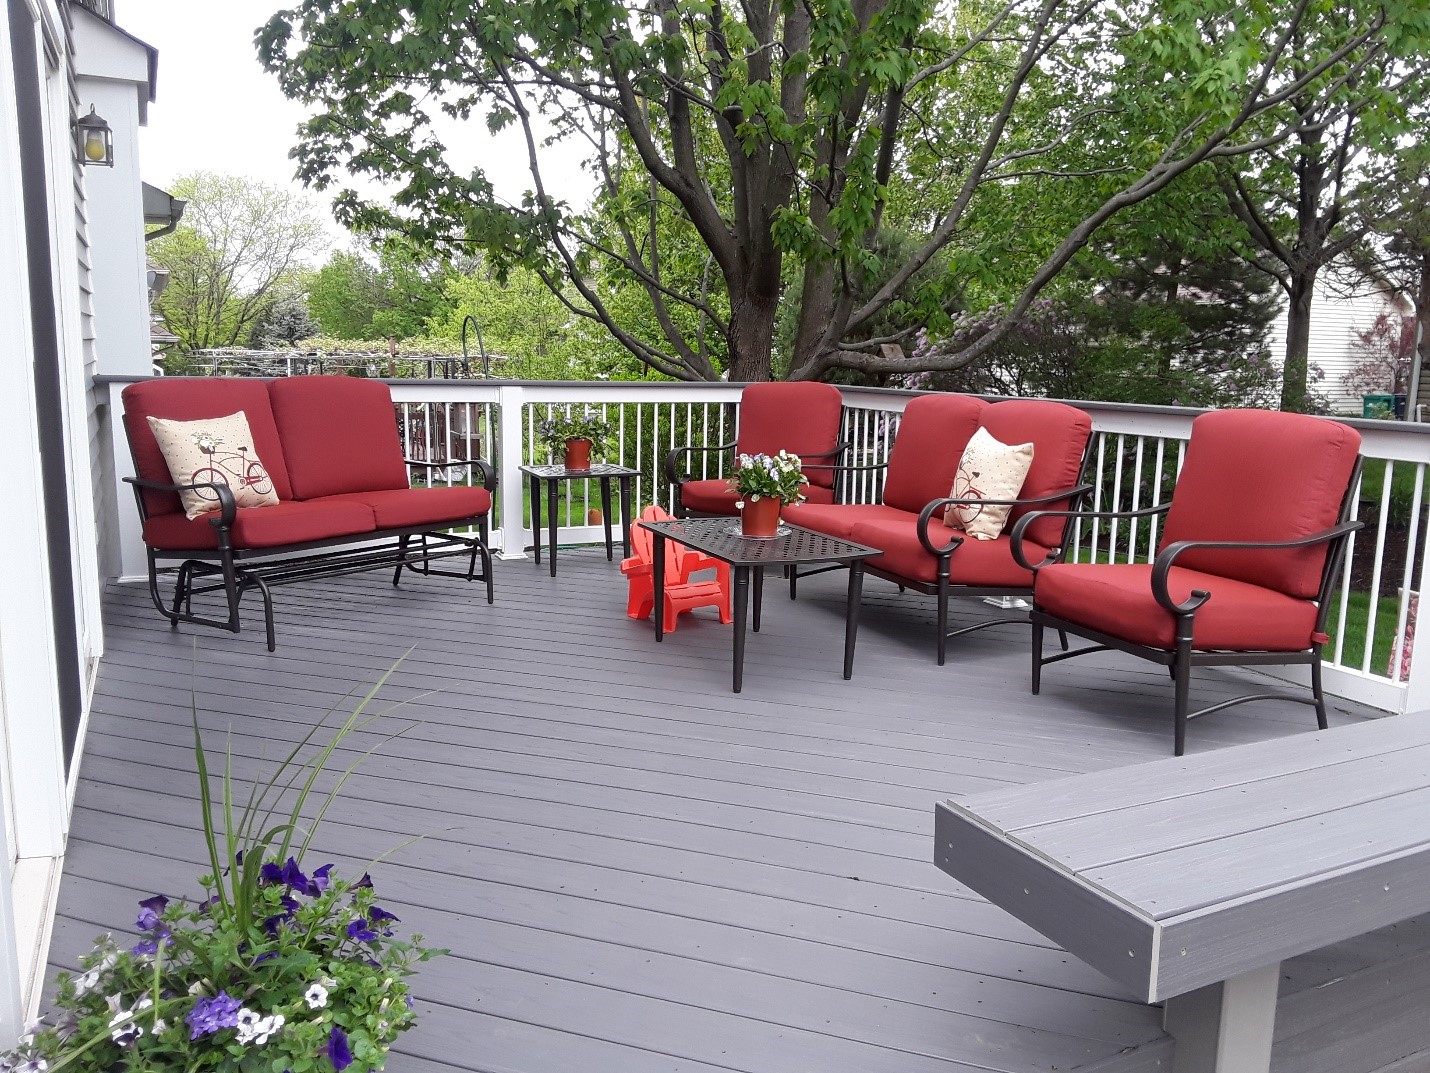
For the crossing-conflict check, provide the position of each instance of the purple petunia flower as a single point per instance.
(339, 1053)
(145, 946)
(212, 1014)
(150, 910)
(288, 873)
(360, 931)
(318, 882)
(365, 881)
(379, 917)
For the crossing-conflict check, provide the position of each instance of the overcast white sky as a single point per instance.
(217, 110)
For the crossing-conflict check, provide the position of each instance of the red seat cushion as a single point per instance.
(837, 519)
(291, 522)
(982, 563)
(1261, 475)
(933, 432)
(339, 435)
(184, 399)
(715, 497)
(1117, 600)
(802, 418)
(1059, 435)
(404, 508)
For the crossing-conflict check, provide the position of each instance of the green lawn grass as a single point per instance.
(1357, 618)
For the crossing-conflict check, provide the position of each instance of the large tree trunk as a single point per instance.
(1298, 337)
(751, 335)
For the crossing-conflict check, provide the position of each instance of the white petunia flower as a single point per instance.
(316, 997)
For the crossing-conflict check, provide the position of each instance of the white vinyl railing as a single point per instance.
(1135, 456)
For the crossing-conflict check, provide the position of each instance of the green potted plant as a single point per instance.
(574, 434)
(279, 967)
(764, 484)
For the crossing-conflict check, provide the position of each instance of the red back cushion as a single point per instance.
(801, 418)
(1261, 475)
(339, 435)
(932, 434)
(184, 399)
(1059, 435)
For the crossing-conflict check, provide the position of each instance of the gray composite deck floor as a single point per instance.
(635, 869)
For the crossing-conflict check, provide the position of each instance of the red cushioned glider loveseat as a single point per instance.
(331, 449)
(920, 552)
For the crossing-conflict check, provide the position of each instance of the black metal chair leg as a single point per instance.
(181, 596)
(1321, 720)
(1063, 639)
(942, 625)
(1038, 655)
(231, 590)
(1181, 676)
(793, 573)
(401, 559)
(267, 611)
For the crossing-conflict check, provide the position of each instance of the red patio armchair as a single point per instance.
(802, 418)
(1254, 534)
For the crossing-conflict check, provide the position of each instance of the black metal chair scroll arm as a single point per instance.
(222, 521)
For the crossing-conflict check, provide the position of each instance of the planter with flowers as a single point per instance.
(764, 484)
(574, 435)
(277, 968)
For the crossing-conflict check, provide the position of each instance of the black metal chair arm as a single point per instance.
(1026, 520)
(1162, 567)
(850, 469)
(227, 505)
(672, 473)
(488, 474)
(926, 515)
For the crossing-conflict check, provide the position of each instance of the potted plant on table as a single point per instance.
(575, 434)
(764, 484)
(278, 968)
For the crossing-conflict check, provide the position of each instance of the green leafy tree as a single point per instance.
(1310, 200)
(393, 293)
(285, 322)
(240, 242)
(526, 331)
(1397, 256)
(778, 133)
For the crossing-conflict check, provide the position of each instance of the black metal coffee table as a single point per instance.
(554, 475)
(721, 539)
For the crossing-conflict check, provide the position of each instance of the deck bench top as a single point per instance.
(1184, 872)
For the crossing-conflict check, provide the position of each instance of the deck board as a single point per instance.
(638, 871)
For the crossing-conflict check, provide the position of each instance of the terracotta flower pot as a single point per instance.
(760, 517)
(578, 454)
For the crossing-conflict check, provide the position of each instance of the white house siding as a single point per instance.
(113, 75)
(47, 242)
(1340, 308)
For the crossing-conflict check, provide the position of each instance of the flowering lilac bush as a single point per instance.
(779, 476)
(276, 969)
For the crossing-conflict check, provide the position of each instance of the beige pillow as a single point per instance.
(218, 449)
(988, 470)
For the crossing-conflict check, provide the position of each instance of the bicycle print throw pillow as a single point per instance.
(216, 450)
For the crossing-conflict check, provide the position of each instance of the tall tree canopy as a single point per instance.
(759, 153)
(239, 242)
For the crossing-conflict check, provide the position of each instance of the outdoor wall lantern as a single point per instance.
(96, 140)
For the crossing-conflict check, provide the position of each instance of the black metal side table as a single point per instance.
(721, 539)
(553, 476)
